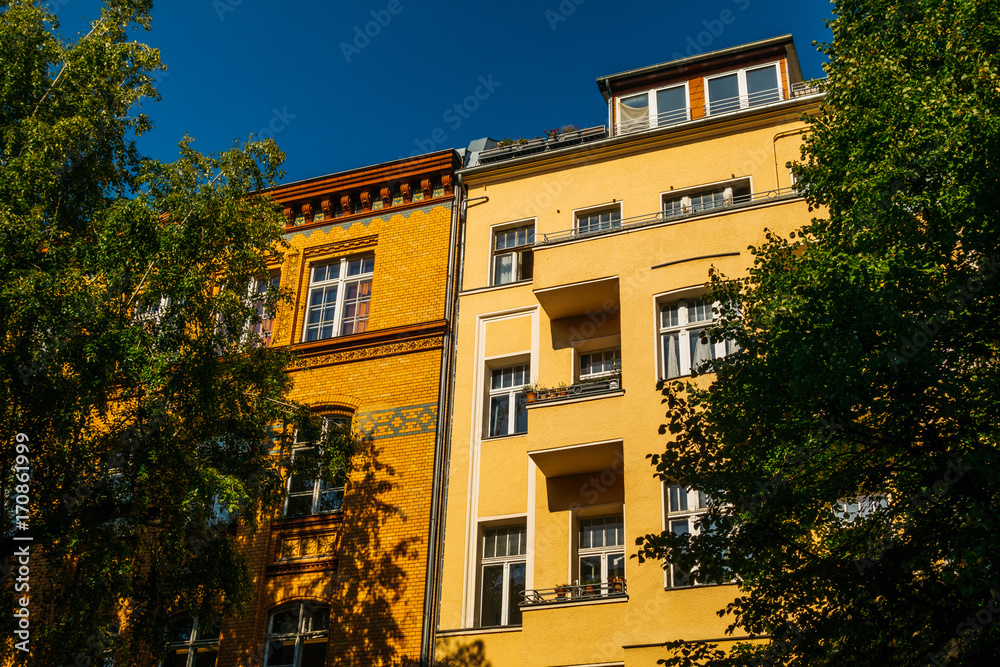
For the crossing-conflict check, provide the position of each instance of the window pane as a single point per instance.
(503, 269)
(678, 498)
(520, 413)
(515, 587)
(634, 112)
(490, 544)
(208, 631)
(177, 659)
(616, 566)
(672, 207)
(670, 316)
(314, 652)
(699, 311)
(331, 500)
(679, 527)
(672, 355)
(499, 415)
(590, 570)
(180, 630)
(701, 348)
(492, 596)
(614, 531)
(723, 94)
(671, 105)
(496, 378)
(762, 85)
(285, 622)
(205, 657)
(299, 505)
(357, 303)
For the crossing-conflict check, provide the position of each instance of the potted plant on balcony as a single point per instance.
(617, 584)
(615, 379)
(531, 392)
(562, 389)
(561, 591)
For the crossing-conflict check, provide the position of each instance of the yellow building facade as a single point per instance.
(339, 575)
(583, 271)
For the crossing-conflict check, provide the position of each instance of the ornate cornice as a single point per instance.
(370, 345)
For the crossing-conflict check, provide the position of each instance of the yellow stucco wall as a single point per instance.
(499, 477)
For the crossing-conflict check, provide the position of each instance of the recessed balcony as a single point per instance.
(611, 384)
(615, 588)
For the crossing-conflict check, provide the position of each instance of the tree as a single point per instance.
(148, 409)
(851, 446)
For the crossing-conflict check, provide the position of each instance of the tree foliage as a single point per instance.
(156, 419)
(867, 372)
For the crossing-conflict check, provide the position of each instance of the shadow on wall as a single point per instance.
(457, 654)
(371, 578)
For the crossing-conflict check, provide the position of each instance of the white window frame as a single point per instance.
(507, 561)
(302, 634)
(744, 96)
(605, 551)
(264, 330)
(684, 196)
(697, 506)
(861, 507)
(194, 645)
(319, 486)
(684, 329)
(522, 255)
(342, 282)
(653, 119)
(613, 224)
(514, 391)
(616, 363)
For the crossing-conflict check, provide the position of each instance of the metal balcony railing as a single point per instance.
(583, 388)
(647, 219)
(575, 593)
(534, 146)
(757, 100)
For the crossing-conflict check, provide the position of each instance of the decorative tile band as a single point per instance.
(408, 420)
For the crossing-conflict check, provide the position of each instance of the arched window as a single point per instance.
(297, 635)
(191, 644)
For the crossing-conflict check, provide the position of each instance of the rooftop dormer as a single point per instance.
(720, 82)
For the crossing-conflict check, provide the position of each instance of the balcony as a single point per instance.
(583, 389)
(648, 219)
(578, 593)
(756, 100)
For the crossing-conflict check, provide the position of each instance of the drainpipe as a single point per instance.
(774, 150)
(442, 438)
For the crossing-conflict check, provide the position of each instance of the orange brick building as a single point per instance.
(340, 577)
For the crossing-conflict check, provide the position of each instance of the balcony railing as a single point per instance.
(756, 100)
(739, 201)
(579, 390)
(534, 146)
(577, 593)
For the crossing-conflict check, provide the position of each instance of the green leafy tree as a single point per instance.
(851, 446)
(156, 421)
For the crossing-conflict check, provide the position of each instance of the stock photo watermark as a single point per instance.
(22, 552)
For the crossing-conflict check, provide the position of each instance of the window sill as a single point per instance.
(504, 437)
(616, 598)
(307, 520)
(493, 288)
(478, 631)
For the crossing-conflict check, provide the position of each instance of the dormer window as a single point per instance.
(655, 108)
(745, 88)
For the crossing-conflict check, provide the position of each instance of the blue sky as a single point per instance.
(345, 83)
